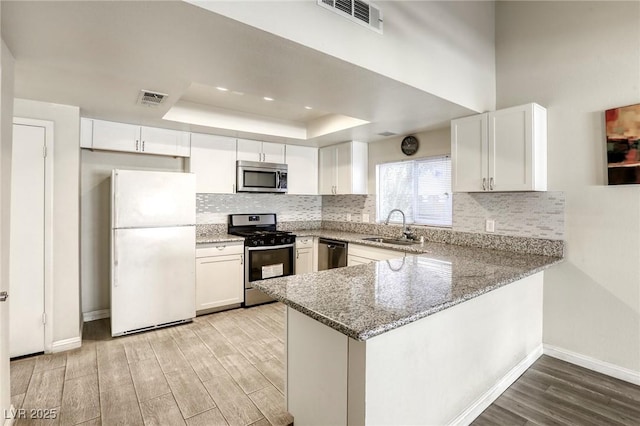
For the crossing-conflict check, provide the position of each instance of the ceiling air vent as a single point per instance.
(359, 11)
(150, 98)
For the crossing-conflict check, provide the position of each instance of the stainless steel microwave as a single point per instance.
(253, 176)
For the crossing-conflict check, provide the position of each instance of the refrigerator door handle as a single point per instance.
(115, 260)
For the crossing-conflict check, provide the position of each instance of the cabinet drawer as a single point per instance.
(304, 242)
(219, 249)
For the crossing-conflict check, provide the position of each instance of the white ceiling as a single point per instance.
(99, 55)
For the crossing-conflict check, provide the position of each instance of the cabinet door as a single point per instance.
(353, 260)
(327, 170)
(164, 141)
(469, 154)
(343, 168)
(219, 281)
(304, 260)
(273, 152)
(249, 150)
(116, 136)
(511, 149)
(303, 170)
(213, 160)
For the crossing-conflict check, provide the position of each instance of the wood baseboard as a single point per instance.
(66, 344)
(482, 403)
(593, 364)
(96, 315)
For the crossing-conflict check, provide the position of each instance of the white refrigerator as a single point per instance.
(153, 242)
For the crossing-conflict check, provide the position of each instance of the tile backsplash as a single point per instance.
(518, 214)
(215, 208)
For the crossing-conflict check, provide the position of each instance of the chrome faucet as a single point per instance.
(405, 231)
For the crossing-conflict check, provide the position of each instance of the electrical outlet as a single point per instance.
(365, 218)
(348, 217)
(490, 225)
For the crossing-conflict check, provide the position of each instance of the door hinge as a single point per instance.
(44, 151)
(44, 317)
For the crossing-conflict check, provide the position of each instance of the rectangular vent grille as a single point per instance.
(366, 14)
(150, 98)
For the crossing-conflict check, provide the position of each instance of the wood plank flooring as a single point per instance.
(222, 369)
(228, 369)
(554, 392)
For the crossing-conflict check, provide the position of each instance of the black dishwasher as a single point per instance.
(331, 254)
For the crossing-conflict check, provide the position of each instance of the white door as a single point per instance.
(213, 160)
(327, 170)
(469, 153)
(27, 241)
(249, 150)
(144, 198)
(272, 152)
(303, 170)
(344, 177)
(152, 277)
(116, 136)
(511, 149)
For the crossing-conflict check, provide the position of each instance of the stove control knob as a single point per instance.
(261, 242)
(254, 242)
(273, 241)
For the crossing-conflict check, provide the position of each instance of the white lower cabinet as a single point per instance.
(360, 254)
(219, 275)
(304, 255)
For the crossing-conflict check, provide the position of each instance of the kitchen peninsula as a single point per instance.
(432, 338)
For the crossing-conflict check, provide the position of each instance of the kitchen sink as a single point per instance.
(391, 241)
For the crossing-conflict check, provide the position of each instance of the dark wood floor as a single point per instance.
(554, 392)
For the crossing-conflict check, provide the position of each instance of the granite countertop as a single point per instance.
(364, 301)
(351, 237)
(217, 238)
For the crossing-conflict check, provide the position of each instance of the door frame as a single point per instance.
(48, 223)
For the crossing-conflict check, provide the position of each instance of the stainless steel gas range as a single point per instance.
(268, 252)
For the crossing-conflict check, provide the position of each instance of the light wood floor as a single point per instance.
(224, 368)
(227, 368)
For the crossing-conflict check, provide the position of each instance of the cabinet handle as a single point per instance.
(484, 184)
(4, 296)
(491, 184)
(137, 144)
(221, 247)
(297, 254)
(142, 146)
(241, 259)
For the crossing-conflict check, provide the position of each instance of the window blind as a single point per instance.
(420, 188)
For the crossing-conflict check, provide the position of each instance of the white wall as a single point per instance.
(442, 47)
(6, 130)
(579, 59)
(435, 142)
(66, 237)
(95, 190)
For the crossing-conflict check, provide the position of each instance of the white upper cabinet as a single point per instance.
(505, 150)
(302, 176)
(250, 150)
(110, 136)
(344, 168)
(213, 160)
(165, 141)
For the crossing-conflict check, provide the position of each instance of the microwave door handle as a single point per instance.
(277, 180)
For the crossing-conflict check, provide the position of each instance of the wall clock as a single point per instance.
(409, 145)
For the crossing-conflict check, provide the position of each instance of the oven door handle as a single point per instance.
(270, 247)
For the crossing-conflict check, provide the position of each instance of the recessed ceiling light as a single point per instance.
(266, 98)
(235, 92)
(308, 107)
(222, 89)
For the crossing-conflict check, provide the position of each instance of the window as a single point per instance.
(420, 188)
